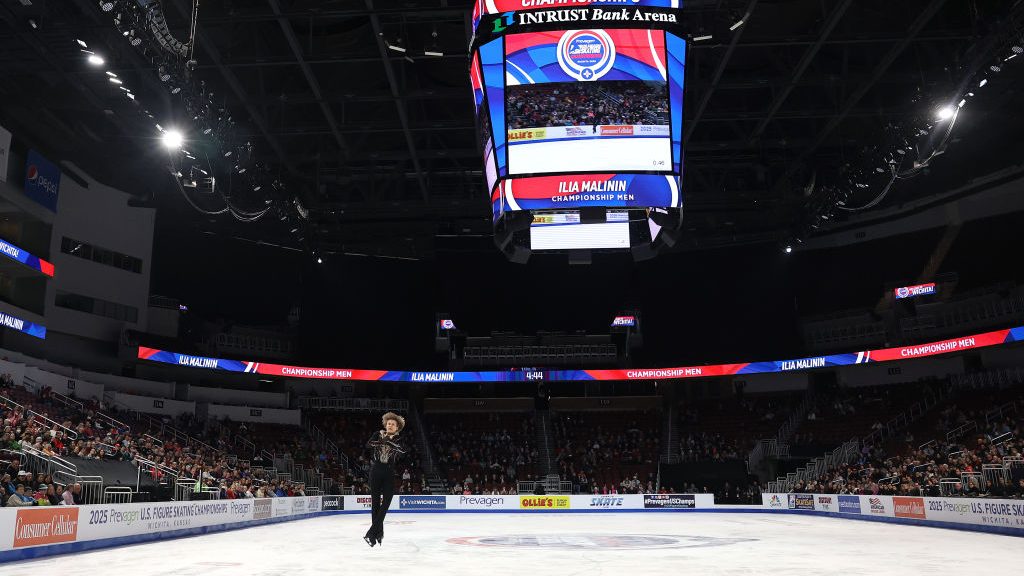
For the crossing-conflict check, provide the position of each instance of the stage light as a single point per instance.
(983, 82)
(962, 102)
(702, 38)
(106, 6)
(95, 60)
(788, 249)
(945, 113)
(115, 80)
(397, 46)
(163, 74)
(736, 25)
(33, 24)
(81, 43)
(173, 139)
(111, 74)
(433, 53)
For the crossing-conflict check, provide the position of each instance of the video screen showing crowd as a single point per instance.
(581, 113)
(587, 104)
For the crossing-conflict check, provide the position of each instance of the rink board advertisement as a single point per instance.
(883, 355)
(1005, 516)
(67, 525)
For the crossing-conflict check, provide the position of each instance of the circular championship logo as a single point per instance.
(903, 291)
(586, 54)
(596, 541)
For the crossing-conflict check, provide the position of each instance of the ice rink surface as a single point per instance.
(564, 544)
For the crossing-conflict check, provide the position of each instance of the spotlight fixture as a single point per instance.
(736, 25)
(945, 113)
(106, 6)
(319, 260)
(95, 60)
(433, 53)
(788, 249)
(702, 38)
(115, 80)
(397, 46)
(81, 43)
(172, 139)
(111, 74)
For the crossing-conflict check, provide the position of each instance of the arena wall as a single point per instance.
(975, 514)
(36, 531)
(43, 531)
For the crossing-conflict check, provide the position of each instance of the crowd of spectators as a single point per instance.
(607, 452)
(723, 429)
(915, 468)
(38, 422)
(586, 104)
(484, 453)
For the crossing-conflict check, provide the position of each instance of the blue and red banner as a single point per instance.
(35, 262)
(585, 55)
(624, 321)
(976, 341)
(476, 81)
(916, 290)
(24, 326)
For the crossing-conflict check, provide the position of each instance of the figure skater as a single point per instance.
(384, 447)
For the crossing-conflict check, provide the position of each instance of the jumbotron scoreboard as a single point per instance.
(579, 107)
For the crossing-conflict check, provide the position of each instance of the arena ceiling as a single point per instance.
(381, 146)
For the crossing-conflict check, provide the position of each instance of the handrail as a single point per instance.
(67, 400)
(11, 403)
(68, 431)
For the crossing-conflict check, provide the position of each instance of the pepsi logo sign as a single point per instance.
(586, 54)
(903, 292)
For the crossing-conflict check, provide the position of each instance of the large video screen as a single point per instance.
(581, 118)
(481, 7)
(587, 101)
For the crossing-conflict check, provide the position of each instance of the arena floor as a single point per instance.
(563, 544)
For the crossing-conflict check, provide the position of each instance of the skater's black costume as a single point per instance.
(384, 451)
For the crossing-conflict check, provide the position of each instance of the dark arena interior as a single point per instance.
(526, 286)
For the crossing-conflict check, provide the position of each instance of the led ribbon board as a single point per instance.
(14, 253)
(30, 328)
(868, 356)
(916, 290)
